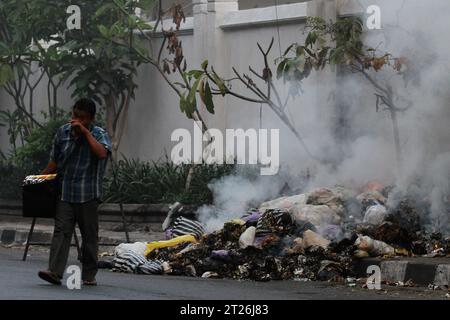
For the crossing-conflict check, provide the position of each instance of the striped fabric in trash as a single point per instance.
(274, 221)
(128, 261)
(132, 262)
(183, 226)
(151, 267)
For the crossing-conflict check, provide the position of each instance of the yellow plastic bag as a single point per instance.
(169, 243)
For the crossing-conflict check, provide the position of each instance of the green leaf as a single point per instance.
(144, 25)
(190, 107)
(209, 103)
(281, 68)
(220, 84)
(132, 23)
(288, 49)
(193, 91)
(323, 57)
(182, 85)
(205, 64)
(6, 74)
(311, 39)
(195, 73)
(104, 8)
(300, 51)
(185, 78)
(183, 103)
(104, 31)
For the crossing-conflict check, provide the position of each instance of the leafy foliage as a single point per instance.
(33, 156)
(134, 181)
(30, 158)
(15, 124)
(195, 82)
(334, 43)
(11, 178)
(100, 59)
(98, 56)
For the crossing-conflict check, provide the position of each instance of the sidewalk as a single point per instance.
(14, 231)
(143, 224)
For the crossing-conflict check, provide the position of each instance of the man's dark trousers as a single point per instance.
(67, 214)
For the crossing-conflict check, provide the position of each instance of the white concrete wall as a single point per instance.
(230, 39)
(227, 37)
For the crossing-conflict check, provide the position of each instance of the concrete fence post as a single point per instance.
(325, 96)
(210, 44)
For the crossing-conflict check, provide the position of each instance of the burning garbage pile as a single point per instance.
(313, 236)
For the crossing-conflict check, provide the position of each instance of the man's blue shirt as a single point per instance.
(83, 172)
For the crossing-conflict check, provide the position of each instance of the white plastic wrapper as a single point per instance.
(137, 247)
(375, 215)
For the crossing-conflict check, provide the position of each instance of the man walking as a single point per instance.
(80, 151)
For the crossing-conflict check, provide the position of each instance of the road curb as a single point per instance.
(442, 277)
(420, 272)
(111, 212)
(9, 236)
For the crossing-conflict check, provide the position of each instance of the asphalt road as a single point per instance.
(18, 280)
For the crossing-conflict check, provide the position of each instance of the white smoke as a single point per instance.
(345, 127)
(233, 195)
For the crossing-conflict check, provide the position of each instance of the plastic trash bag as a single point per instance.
(169, 243)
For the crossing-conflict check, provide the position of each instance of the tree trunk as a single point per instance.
(110, 116)
(396, 132)
(190, 176)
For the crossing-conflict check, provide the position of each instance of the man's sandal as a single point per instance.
(49, 276)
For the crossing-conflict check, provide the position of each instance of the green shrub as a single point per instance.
(134, 181)
(11, 178)
(33, 156)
